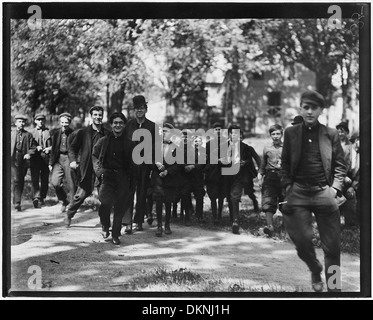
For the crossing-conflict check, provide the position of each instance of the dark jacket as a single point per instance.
(28, 144)
(100, 149)
(80, 150)
(190, 157)
(331, 151)
(253, 156)
(47, 143)
(56, 142)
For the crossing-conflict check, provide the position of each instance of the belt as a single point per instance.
(64, 153)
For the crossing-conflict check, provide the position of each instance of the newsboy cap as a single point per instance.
(354, 137)
(66, 115)
(343, 125)
(313, 97)
(39, 116)
(96, 108)
(139, 101)
(20, 116)
(297, 119)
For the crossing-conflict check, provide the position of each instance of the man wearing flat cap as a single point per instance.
(23, 147)
(59, 162)
(40, 161)
(312, 172)
(80, 156)
(141, 180)
(297, 120)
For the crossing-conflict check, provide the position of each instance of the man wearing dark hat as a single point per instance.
(23, 147)
(40, 160)
(59, 162)
(297, 120)
(80, 156)
(142, 171)
(112, 164)
(313, 170)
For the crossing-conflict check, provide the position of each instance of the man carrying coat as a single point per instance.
(80, 156)
(23, 147)
(312, 173)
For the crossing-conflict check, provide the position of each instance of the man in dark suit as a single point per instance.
(142, 171)
(112, 164)
(40, 160)
(23, 147)
(59, 163)
(80, 156)
(312, 173)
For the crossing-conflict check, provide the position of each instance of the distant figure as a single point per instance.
(313, 171)
(59, 163)
(40, 161)
(23, 147)
(269, 177)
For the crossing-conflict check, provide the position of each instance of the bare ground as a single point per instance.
(77, 259)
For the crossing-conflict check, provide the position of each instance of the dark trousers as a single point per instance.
(159, 211)
(18, 176)
(39, 177)
(235, 187)
(302, 201)
(141, 187)
(83, 191)
(62, 170)
(114, 192)
(271, 192)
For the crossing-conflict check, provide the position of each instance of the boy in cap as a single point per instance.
(312, 172)
(40, 160)
(23, 147)
(59, 163)
(80, 157)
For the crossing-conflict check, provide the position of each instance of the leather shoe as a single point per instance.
(128, 229)
(150, 221)
(139, 227)
(268, 230)
(167, 230)
(159, 231)
(105, 233)
(41, 202)
(235, 228)
(317, 284)
(18, 207)
(116, 241)
(63, 207)
(35, 202)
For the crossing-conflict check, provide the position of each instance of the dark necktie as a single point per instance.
(41, 142)
(19, 140)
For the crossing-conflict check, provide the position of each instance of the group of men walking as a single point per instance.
(303, 175)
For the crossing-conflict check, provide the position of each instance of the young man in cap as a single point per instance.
(312, 172)
(40, 160)
(347, 208)
(297, 119)
(112, 164)
(59, 163)
(141, 171)
(269, 177)
(23, 147)
(80, 156)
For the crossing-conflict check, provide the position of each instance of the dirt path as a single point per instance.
(78, 260)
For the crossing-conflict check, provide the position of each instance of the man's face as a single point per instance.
(234, 135)
(117, 125)
(20, 124)
(342, 134)
(140, 111)
(310, 113)
(217, 130)
(64, 123)
(39, 123)
(166, 134)
(197, 141)
(97, 117)
(276, 135)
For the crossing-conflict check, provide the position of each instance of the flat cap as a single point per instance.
(139, 101)
(216, 125)
(96, 108)
(354, 137)
(297, 119)
(168, 125)
(66, 115)
(313, 97)
(20, 116)
(39, 116)
(343, 125)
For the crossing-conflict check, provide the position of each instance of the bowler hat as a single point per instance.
(20, 116)
(139, 101)
(66, 115)
(297, 119)
(313, 97)
(216, 125)
(343, 125)
(39, 116)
